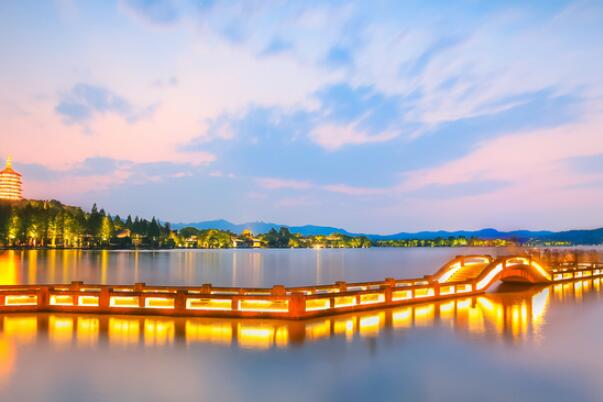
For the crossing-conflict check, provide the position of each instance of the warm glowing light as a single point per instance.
(453, 269)
(123, 331)
(345, 301)
(20, 328)
(370, 325)
(317, 304)
(61, 300)
(475, 319)
(424, 315)
(274, 306)
(447, 310)
(123, 301)
(463, 288)
(60, 329)
(87, 331)
(7, 359)
(489, 277)
(90, 301)
(345, 326)
(159, 302)
(463, 304)
(9, 271)
(424, 292)
(540, 303)
(446, 290)
(320, 329)
(158, 332)
(255, 337)
(541, 270)
(402, 318)
(10, 182)
(21, 300)
(372, 298)
(281, 338)
(214, 332)
(401, 295)
(209, 304)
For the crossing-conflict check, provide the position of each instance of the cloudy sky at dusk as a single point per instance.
(373, 116)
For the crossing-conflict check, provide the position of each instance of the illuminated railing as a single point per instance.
(286, 302)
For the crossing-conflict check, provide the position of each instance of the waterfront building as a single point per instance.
(10, 183)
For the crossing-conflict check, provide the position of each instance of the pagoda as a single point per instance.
(10, 183)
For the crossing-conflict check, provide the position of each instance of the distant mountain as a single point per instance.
(482, 234)
(591, 236)
(263, 227)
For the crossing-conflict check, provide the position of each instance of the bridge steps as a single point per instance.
(467, 272)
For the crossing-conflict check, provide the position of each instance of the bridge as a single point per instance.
(461, 277)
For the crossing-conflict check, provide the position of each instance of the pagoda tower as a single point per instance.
(10, 183)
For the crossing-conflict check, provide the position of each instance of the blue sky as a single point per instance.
(374, 116)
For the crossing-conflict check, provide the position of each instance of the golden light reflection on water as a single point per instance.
(509, 315)
(7, 359)
(9, 272)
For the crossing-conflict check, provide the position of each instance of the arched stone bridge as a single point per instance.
(484, 271)
(463, 276)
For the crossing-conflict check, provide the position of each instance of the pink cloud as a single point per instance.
(332, 137)
(272, 183)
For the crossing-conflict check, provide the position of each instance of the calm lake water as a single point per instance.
(512, 344)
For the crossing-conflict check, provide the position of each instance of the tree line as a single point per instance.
(51, 224)
(31, 223)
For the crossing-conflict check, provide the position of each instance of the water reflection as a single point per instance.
(510, 315)
(249, 268)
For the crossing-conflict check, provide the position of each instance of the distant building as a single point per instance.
(10, 183)
(122, 234)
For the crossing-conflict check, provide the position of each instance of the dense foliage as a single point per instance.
(282, 238)
(30, 223)
(461, 241)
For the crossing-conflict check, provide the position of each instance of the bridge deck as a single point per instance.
(463, 276)
(467, 272)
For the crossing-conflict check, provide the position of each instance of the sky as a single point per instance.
(374, 116)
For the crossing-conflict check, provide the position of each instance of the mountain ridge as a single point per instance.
(575, 236)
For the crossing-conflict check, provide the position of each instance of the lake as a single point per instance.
(520, 343)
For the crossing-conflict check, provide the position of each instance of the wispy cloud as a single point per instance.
(273, 183)
(154, 11)
(386, 113)
(332, 137)
(82, 102)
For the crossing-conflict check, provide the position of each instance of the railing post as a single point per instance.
(342, 285)
(297, 305)
(104, 298)
(436, 289)
(278, 290)
(206, 288)
(75, 287)
(138, 288)
(235, 299)
(43, 298)
(388, 285)
(180, 302)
